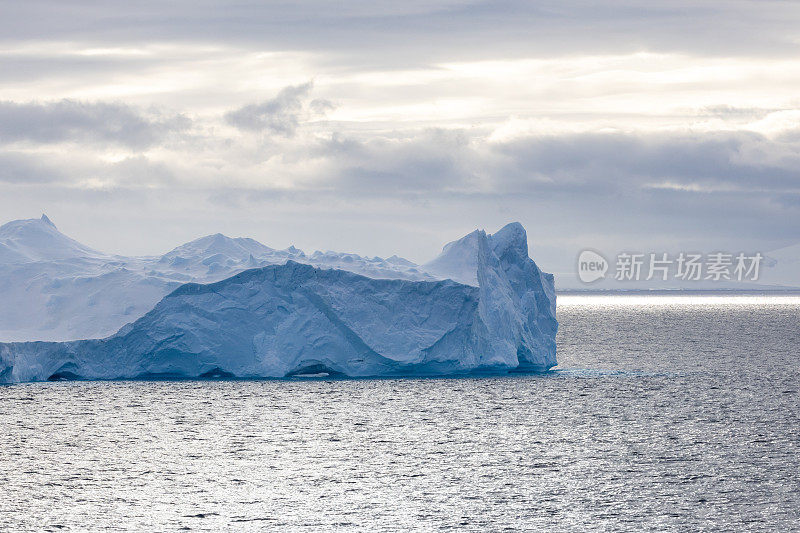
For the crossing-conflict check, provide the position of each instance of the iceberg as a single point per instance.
(487, 308)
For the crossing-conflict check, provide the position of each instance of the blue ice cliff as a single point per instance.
(490, 310)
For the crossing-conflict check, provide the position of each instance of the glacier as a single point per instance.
(481, 306)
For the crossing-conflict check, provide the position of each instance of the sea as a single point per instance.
(665, 413)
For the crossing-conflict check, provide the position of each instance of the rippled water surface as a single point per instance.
(664, 414)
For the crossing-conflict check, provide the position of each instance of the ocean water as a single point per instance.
(665, 413)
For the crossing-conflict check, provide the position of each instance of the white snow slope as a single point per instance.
(293, 319)
(54, 288)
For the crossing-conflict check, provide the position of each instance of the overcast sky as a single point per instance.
(391, 128)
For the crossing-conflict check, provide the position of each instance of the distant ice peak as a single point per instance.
(47, 221)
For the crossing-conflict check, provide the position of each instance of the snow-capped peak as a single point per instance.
(458, 260)
(292, 250)
(238, 248)
(47, 221)
(38, 239)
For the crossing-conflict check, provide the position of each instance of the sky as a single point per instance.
(383, 128)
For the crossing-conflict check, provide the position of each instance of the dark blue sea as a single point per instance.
(666, 413)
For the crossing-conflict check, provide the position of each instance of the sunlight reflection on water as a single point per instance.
(678, 417)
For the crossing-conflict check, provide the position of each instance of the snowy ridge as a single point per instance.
(290, 319)
(55, 288)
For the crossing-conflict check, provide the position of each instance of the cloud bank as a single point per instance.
(669, 124)
(84, 122)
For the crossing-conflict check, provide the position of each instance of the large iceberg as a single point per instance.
(492, 310)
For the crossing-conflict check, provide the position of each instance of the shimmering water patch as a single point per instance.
(659, 417)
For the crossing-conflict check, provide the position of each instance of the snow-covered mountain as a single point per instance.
(291, 319)
(54, 288)
(23, 241)
(202, 257)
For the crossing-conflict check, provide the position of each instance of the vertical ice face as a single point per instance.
(510, 280)
(517, 300)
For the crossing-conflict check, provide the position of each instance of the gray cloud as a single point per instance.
(84, 122)
(419, 32)
(727, 111)
(715, 189)
(281, 114)
(376, 167)
(726, 188)
(589, 164)
(83, 171)
(18, 167)
(25, 67)
(723, 190)
(429, 162)
(424, 163)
